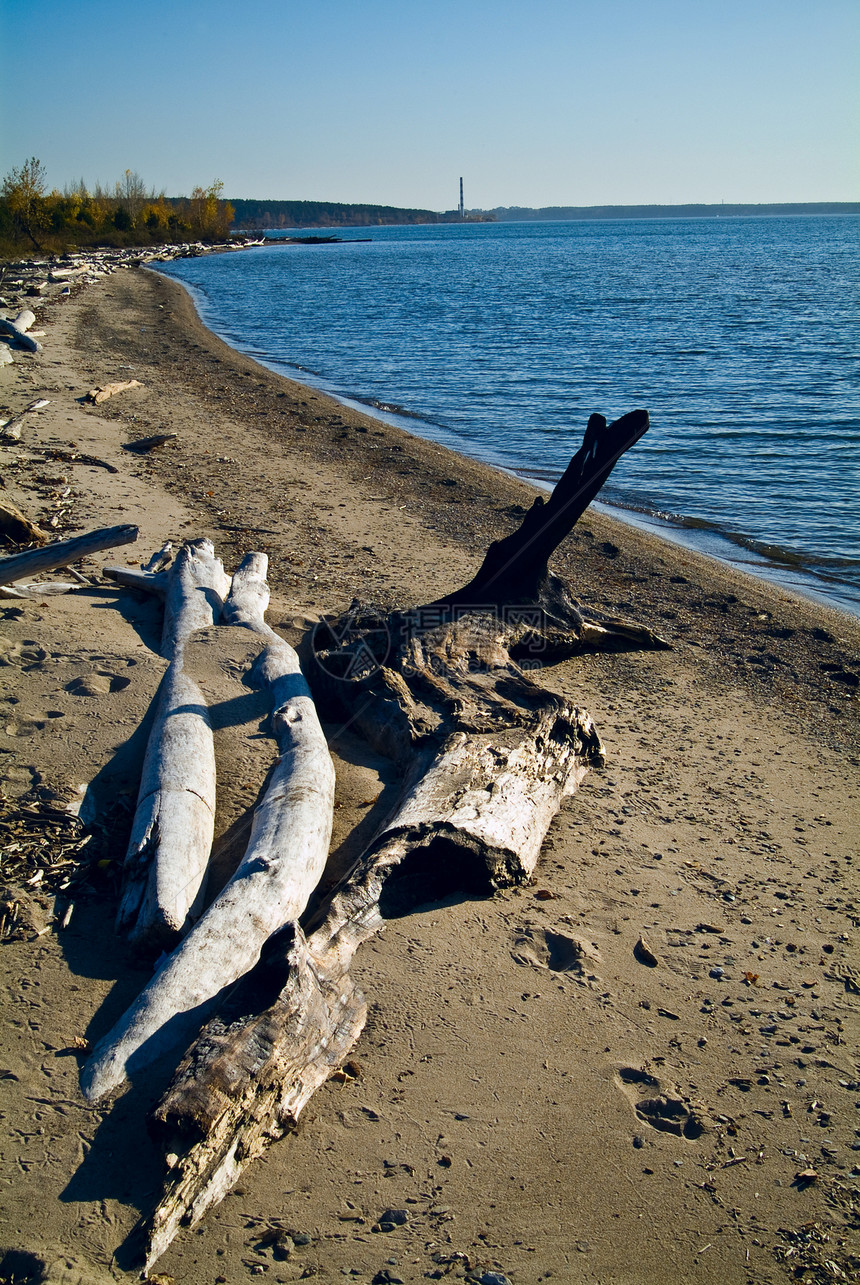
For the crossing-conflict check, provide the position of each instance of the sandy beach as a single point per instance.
(516, 1046)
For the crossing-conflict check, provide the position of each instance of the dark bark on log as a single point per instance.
(243, 1087)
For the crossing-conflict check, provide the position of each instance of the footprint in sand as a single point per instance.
(99, 683)
(543, 948)
(27, 654)
(19, 724)
(663, 1108)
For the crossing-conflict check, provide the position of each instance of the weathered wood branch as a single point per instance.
(62, 552)
(282, 865)
(11, 428)
(515, 569)
(102, 394)
(166, 861)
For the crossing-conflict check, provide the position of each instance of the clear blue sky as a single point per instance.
(534, 102)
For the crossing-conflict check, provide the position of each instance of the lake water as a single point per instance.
(739, 336)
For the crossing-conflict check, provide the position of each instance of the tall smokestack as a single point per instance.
(461, 198)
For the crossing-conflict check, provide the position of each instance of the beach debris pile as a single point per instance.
(31, 282)
(48, 857)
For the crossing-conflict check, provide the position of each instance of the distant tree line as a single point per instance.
(258, 215)
(32, 218)
(566, 213)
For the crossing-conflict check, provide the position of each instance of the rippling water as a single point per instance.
(740, 336)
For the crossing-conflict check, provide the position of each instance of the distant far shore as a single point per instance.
(255, 215)
(723, 210)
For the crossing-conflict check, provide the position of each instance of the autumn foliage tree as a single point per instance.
(128, 214)
(24, 199)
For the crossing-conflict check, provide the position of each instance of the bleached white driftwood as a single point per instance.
(165, 865)
(11, 428)
(37, 589)
(134, 578)
(282, 865)
(17, 330)
(62, 552)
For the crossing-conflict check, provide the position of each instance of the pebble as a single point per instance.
(392, 1218)
(494, 1278)
(717, 972)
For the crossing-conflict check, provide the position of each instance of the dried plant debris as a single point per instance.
(46, 849)
(819, 1253)
(22, 916)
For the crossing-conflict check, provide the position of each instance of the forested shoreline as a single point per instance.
(36, 218)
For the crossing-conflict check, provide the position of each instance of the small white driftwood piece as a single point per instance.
(168, 853)
(282, 865)
(10, 429)
(17, 331)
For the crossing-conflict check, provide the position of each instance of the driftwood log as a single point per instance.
(63, 552)
(168, 852)
(490, 757)
(17, 331)
(17, 528)
(282, 865)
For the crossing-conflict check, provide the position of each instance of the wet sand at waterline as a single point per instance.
(541, 1102)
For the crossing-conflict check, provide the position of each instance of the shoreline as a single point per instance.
(504, 1087)
(743, 553)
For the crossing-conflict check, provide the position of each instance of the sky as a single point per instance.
(533, 102)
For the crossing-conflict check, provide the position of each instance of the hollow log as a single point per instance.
(282, 865)
(174, 821)
(448, 689)
(62, 552)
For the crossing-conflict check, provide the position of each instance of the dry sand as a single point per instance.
(514, 1044)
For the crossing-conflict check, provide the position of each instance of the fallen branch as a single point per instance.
(11, 428)
(62, 552)
(144, 444)
(76, 457)
(37, 589)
